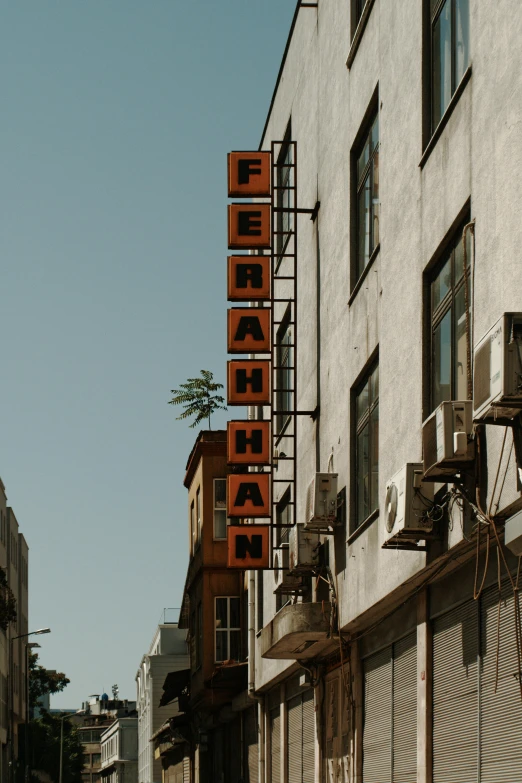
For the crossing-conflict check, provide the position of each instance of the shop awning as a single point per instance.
(175, 683)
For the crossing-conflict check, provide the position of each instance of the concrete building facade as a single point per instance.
(119, 751)
(168, 652)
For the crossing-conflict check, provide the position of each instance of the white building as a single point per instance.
(406, 120)
(168, 652)
(119, 752)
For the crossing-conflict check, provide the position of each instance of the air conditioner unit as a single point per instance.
(286, 582)
(497, 371)
(321, 502)
(446, 440)
(303, 550)
(406, 505)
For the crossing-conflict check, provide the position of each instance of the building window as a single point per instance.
(449, 23)
(285, 197)
(448, 351)
(220, 508)
(367, 446)
(367, 196)
(95, 759)
(198, 516)
(227, 629)
(284, 393)
(192, 527)
(199, 635)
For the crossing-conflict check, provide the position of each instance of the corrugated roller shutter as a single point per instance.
(405, 710)
(251, 774)
(186, 770)
(275, 746)
(308, 737)
(377, 717)
(500, 712)
(178, 773)
(455, 695)
(295, 740)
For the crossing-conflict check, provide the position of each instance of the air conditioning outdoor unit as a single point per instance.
(321, 502)
(447, 443)
(497, 371)
(406, 505)
(286, 582)
(304, 550)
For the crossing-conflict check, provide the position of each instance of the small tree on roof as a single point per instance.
(198, 398)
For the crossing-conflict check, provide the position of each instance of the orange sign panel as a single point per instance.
(248, 443)
(248, 546)
(248, 495)
(248, 226)
(248, 382)
(249, 174)
(248, 278)
(249, 330)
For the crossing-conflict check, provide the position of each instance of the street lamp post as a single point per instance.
(10, 725)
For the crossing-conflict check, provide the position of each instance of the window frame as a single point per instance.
(358, 425)
(198, 517)
(284, 194)
(284, 377)
(228, 629)
(435, 316)
(215, 508)
(434, 15)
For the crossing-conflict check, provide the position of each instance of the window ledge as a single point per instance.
(363, 526)
(363, 275)
(430, 146)
(359, 32)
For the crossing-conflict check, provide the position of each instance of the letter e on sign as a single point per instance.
(248, 443)
(249, 330)
(248, 278)
(248, 226)
(248, 546)
(248, 495)
(248, 174)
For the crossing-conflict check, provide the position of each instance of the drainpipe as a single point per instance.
(252, 671)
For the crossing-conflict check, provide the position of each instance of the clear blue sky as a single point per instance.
(116, 119)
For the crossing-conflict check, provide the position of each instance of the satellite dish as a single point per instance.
(390, 506)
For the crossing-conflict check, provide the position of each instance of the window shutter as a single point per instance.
(186, 769)
(405, 710)
(295, 740)
(455, 695)
(377, 717)
(252, 753)
(500, 712)
(275, 746)
(308, 737)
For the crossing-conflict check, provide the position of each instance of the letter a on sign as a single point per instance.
(249, 330)
(248, 443)
(248, 278)
(248, 174)
(248, 226)
(248, 546)
(248, 382)
(248, 495)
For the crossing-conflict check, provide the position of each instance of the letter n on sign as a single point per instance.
(248, 495)
(248, 546)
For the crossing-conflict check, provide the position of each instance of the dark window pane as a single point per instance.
(220, 493)
(442, 361)
(221, 646)
(459, 256)
(234, 613)
(220, 524)
(221, 613)
(375, 203)
(374, 380)
(363, 159)
(441, 285)
(374, 135)
(461, 387)
(441, 76)
(362, 401)
(363, 484)
(235, 645)
(374, 459)
(461, 38)
(363, 227)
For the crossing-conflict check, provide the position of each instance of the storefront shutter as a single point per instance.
(455, 695)
(500, 712)
(251, 774)
(405, 710)
(295, 740)
(186, 769)
(377, 733)
(233, 743)
(308, 737)
(275, 746)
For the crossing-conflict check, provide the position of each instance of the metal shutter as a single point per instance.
(500, 712)
(405, 710)
(186, 769)
(177, 771)
(377, 755)
(251, 774)
(295, 739)
(455, 695)
(308, 737)
(275, 746)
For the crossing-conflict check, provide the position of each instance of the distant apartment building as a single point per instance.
(168, 653)
(119, 751)
(14, 561)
